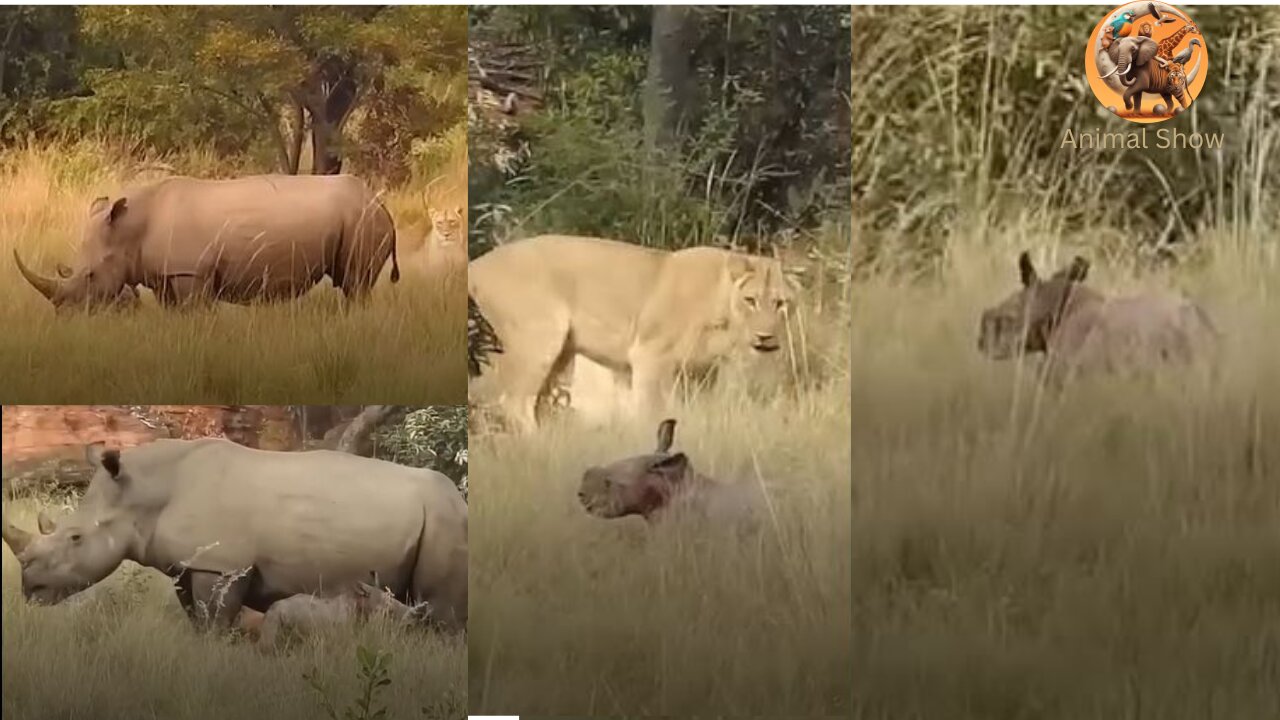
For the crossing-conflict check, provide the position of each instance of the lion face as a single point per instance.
(762, 298)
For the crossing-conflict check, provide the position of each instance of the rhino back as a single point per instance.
(244, 225)
(303, 520)
(1137, 329)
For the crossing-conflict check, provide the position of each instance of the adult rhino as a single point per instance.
(263, 237)
(645, 314)
(235, 526)
(1080, 330)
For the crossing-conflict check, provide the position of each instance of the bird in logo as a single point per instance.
(1122, 24)
(1185, 56)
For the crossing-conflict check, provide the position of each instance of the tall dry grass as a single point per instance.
(574, 615)
(1112, 551)
(405, 345)
(125, 649)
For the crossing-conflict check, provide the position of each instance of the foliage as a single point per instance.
(374, 676)
(434, 437)
(968, 107)
(766, 149)
(247, 81)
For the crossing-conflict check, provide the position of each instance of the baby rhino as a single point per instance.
(1080, 330)
(663, 484)
(304, 613)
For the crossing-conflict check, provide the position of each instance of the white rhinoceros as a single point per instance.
(235, 526)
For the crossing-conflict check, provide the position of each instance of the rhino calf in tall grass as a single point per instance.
(305, 614)
(1080, 330)
(662, 484)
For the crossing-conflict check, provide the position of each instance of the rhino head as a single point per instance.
(637, 485)
(70, 556)
(102, 277)
(1024, 321)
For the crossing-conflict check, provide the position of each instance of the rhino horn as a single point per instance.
(15, 537)
(45, 523)
(47, 287)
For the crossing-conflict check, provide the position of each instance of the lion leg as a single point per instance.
(527, 365)
(652, 381)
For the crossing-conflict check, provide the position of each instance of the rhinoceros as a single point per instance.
(301, 614)
(235, 526)
(662, 485)
(1080, 330)
(262, 237)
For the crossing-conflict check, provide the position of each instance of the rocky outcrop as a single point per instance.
(45, 443)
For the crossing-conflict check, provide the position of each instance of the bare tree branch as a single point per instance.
(356, 437)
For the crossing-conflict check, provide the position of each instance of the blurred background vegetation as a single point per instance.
(375, 90)
(666, 126)
(962, 112)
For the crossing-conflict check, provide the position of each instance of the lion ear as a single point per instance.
(740, 267)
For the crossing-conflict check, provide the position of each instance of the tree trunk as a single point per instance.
(669, 95)
(357, 436)
(331, 94)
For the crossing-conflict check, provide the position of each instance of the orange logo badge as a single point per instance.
(1146, 61)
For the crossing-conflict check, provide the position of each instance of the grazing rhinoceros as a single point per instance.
(663, 484)
(264, 237)
(236, 526)
(306, 613)
(1081, 330)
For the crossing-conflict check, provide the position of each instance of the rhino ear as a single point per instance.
(1027, 270)
(1079, 270)
(97, 454)
(671, 468)
(98, 205)
(117, 209)
(666, 434)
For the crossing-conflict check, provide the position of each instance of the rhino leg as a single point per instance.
(183, 290)
(217, 598)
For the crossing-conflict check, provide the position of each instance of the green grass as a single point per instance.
(1112, 553)
(125, 649)
(573, 615)
(405, 345)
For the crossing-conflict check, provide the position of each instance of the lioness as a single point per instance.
(645, 314)
(1081, 330)
(663, 484)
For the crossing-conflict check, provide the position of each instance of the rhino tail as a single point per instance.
(395, 262)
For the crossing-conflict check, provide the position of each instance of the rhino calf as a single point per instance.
(663, 484)
(1080, 330)
(305, 613)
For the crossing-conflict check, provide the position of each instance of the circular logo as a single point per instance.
(1146, 61)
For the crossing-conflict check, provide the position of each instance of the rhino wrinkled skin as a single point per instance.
(251, 527)
(255, 238)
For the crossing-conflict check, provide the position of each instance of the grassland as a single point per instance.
(125, 649)
(1110, 553)
(574, 615)
(405, 345)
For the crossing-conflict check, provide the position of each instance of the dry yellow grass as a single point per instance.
(125, 649)
(573, 615)
(405, 345)
(1114, 553)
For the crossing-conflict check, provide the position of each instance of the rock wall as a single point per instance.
(49, 440)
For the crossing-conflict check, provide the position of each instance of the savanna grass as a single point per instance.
(125, 650)
(574, 615)
(1108, 553)
(405, 345)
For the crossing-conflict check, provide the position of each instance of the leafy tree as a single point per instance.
(290, 73)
